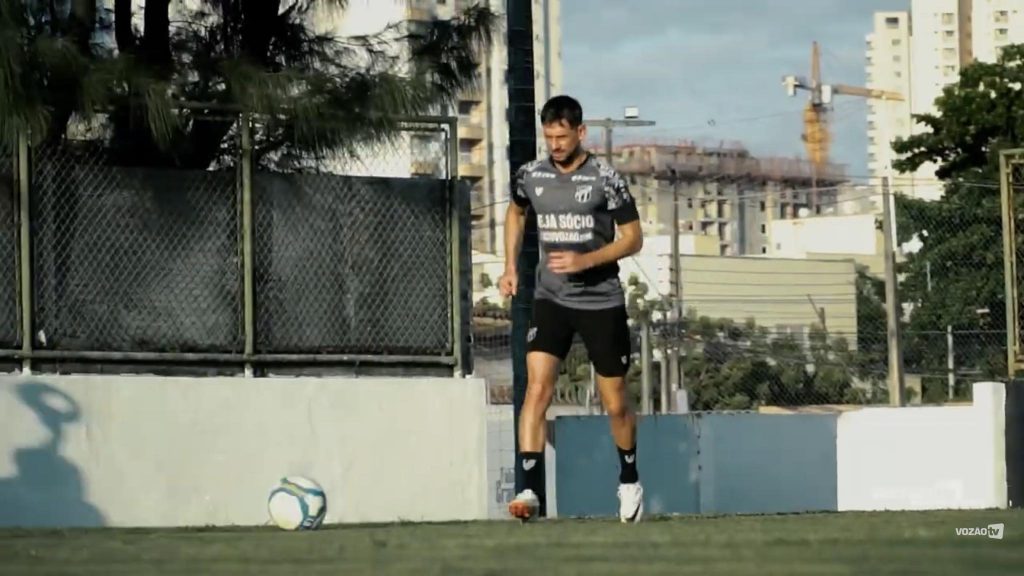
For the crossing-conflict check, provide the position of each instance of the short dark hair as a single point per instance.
(562, 108)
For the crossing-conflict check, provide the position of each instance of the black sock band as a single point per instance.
(627, 466)
(531, 462)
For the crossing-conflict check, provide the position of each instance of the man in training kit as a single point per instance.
(580, 202)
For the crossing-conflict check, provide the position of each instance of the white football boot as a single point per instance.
(631, 502)
(524, 506)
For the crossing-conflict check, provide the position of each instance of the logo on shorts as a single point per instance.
(625, 359)
(583, 193)
(531, 334)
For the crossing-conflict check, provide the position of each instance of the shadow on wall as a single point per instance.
(47, 489)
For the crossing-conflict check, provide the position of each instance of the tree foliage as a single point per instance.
(314, 91)
(955, 278)
(739, 366)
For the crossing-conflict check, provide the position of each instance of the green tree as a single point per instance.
(956, 277)
(315, 92)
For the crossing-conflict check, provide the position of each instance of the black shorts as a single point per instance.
(604, 332)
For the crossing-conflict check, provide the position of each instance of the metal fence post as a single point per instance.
(1010, 262)
(455, 227)
(646, 401)
(25, 249)
(892, 303)
(248, 303)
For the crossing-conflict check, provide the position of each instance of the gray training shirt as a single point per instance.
(576, 212)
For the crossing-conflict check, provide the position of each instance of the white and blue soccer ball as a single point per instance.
(297, 503)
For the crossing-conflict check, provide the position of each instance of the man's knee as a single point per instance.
(542, 374)
(616, 407)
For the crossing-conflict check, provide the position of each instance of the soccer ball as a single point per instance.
(297, 503)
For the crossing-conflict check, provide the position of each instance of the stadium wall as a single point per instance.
(158, 451)
(878, 458)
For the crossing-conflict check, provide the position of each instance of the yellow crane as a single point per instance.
(817, 137)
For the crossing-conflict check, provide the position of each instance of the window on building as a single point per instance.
(764, 228)
(1002, 33)
(949, 53)
(892, 22)
(949, 70)
(762, 206)
(897, 58)
(897, 41)
(764, 249)
(1002, 16)
(948, 18)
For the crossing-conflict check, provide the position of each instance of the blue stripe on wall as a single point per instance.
(760, 463)
(587, 465)
(702, 463)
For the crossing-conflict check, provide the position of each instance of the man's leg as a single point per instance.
(606, 335)
(548, 341)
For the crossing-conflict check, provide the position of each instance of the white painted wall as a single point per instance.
(924, 458)
(151, 451)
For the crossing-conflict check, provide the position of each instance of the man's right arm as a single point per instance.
(515, 219)
(515, 223)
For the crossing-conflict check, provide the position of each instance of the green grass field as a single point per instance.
(818, 544)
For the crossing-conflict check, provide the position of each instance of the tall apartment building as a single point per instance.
(888, 68)
(944, 36)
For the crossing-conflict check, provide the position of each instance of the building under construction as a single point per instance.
(724, 192)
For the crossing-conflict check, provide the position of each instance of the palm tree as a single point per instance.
(313, 92)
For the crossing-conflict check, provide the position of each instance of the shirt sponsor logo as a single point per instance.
(584, 193)
(568, 228)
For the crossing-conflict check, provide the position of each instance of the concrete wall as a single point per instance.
(868, 459)
(149, 451)
(924, 458)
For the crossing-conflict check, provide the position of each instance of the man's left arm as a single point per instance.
(623, 209)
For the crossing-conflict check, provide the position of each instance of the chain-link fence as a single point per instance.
(9, 317)
(1013, 230)
(810, 328)
(355, 258)
(133, 259)
(244, 251)
(951, 288)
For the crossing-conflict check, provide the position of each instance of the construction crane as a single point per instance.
(817, 137)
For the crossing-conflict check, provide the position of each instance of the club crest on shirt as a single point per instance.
(584, 193)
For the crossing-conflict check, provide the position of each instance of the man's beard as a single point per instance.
(571, 157)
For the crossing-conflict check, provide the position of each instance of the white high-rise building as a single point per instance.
(888, 68)
(995, 24)
(944, 36)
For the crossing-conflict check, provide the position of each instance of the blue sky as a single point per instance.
(689, 64)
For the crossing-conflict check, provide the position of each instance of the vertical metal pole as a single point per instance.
(665, 394)
(646, 404)
(249, 308)
(677, 297)
(522, 124)
(1009, 264)
(455, 222)
(608, 141)
(892, 305)
(950, 363)
(25, 248)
